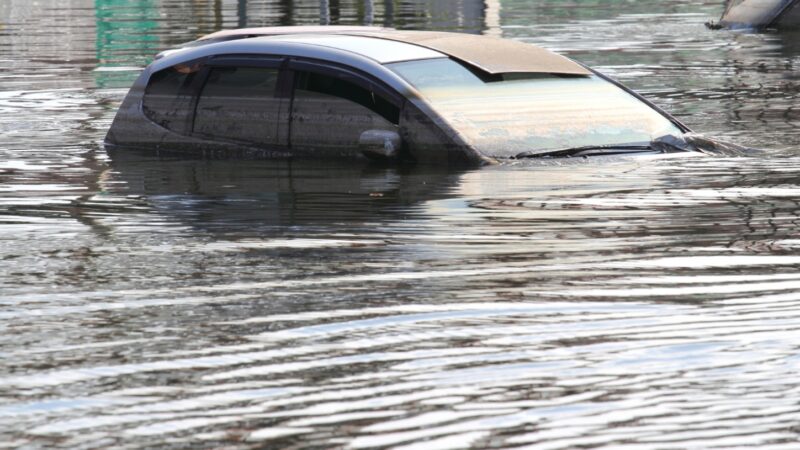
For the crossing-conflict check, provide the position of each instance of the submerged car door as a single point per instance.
(333, 106)
(240, 102)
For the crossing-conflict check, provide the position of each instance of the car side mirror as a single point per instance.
(380, 144)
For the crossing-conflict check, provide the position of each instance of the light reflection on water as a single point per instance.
(639, 303)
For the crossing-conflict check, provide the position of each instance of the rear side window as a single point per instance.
(168, 97)
(239, 103)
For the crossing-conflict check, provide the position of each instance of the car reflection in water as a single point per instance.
(254, 196)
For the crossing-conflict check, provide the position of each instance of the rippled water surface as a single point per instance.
(629, 304)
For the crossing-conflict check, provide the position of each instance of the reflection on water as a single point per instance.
(152, 301)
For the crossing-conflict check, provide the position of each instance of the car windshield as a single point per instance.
(518, 113)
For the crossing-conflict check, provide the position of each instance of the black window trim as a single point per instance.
(246, 60)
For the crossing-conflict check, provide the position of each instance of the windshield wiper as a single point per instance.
(667, 143)
(614, 149)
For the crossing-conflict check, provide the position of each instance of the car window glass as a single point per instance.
(437, 73)
(530, 112)
(335, 87)
(328, 112)
(168, 99)
(239, 103)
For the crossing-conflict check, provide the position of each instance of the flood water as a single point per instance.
(630, 304)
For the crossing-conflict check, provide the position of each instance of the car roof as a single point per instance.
(488, 54)
(380, 50)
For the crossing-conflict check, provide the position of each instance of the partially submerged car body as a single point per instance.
(430, 97)
(760, 14)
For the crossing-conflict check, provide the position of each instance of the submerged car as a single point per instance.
(363, 92)
(760, 14)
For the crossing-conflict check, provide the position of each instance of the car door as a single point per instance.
(241, 102)
(333, 106)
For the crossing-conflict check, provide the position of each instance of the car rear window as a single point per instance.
(168, 98)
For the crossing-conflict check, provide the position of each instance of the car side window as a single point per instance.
(335, 87)
(331, 112)
(168, 97)
(239, 103)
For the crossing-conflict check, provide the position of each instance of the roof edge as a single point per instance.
(488, 54)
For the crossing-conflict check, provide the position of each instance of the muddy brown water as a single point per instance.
(632, 304)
